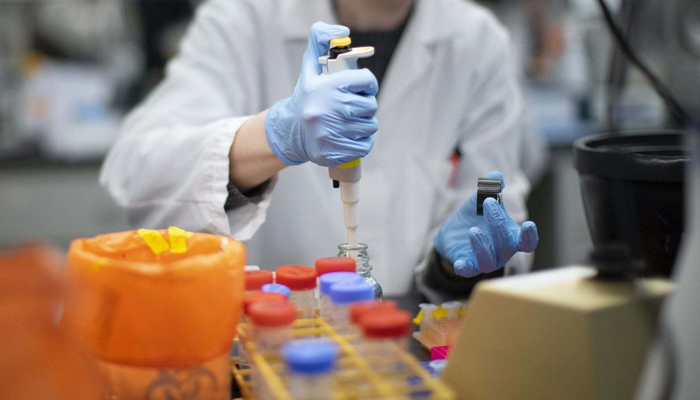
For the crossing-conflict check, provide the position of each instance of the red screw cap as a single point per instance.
(260, 297)
(381, 324)
(362, 308)
(254, 280)
(272, 314)
(296, 277)
(335, 264)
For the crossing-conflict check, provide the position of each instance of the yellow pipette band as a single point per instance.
(352, 164)
(341, 42)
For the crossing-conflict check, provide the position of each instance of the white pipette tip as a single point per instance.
(352, 237)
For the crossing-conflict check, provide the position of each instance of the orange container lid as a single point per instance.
(296, 277)
(386, 324)
(254, 280)
(260, 297)
(335, 264)
(359, 309)
(272, 314)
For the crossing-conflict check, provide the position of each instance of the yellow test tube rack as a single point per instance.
(355, 378)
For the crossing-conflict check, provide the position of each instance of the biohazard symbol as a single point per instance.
(189, 384)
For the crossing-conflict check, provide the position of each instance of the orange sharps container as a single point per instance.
(158, 309)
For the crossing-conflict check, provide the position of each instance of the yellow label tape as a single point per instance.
(438, 313)
(352, 164)
(178, 239)
(101, 262)
(418, 318)
(154, 240)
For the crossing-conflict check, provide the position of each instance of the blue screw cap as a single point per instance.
(346, 292)
(331, 278)
(312, 356)
(276, 288)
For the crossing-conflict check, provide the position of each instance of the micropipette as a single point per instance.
(347, 176)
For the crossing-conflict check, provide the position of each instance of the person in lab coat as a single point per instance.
(200, 154)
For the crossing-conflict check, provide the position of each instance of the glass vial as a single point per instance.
(364, 269)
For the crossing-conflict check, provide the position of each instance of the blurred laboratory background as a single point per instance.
(70, 69)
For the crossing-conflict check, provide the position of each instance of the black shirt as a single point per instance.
(384, 43)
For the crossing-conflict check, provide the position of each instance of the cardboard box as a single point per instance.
(555, 334)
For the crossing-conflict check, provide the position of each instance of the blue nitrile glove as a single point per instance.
(477, 244)
(329, 120)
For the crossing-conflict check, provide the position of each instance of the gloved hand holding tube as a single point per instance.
(477, 244)
(330, 119)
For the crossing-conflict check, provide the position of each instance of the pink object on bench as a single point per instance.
(439, 352)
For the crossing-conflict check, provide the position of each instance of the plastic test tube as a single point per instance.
(302, 282)
(325, 282)
(385, 336)
(276, 288)
(342, 295)
(450, 324)
(452, 308)
(361, 308)
(255, 297)
(272, 325)
(254, 280)
(248, 300)
(310, 364)
(327, 265)
(428, 330)
(272, 328)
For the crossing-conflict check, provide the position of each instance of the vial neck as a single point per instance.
(360, 256)
(363, 266)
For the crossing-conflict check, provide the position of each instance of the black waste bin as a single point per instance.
(632, 187)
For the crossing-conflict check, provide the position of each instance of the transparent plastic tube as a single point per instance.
(302, 282)
(325, 282)
(310, 365)
(343, 294)
(272, 328)
(358, 309)
(254, 280)
(385, 338)
(428, 328)
(450, 324)
(305, 301)
(248, 301)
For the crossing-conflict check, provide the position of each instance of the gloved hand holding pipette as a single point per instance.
(330, 119)
(477, 244)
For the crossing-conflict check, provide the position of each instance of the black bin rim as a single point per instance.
(648, 156)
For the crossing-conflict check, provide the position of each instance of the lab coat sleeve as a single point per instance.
(491, 135)
(170, 165)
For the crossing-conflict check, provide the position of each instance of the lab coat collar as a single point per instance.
(428, 22)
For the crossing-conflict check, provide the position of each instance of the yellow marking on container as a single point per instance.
(101, 262)
(155, 241)
(418, 318)
(438, 313)
(178, 239)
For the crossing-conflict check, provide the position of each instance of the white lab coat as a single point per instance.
(451, 83)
